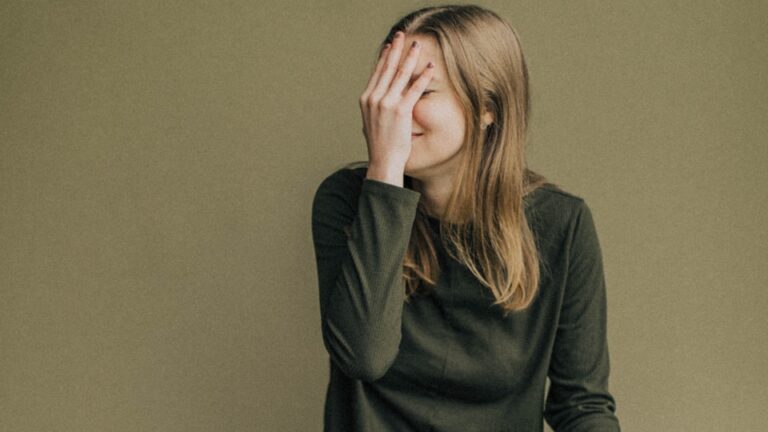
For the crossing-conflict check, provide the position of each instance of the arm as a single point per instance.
(362, 289)
(578, 398)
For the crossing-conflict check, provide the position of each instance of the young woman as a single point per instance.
(454, 280)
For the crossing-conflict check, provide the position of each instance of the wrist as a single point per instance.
(391, 173)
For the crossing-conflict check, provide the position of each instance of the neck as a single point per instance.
(436, 192)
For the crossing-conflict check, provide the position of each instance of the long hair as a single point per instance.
(484, 226)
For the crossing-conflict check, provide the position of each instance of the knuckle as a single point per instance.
(372, 101)
(386, 104)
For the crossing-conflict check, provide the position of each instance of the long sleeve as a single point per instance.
(578, 398)
(360, 269)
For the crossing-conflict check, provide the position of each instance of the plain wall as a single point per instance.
(158, 162)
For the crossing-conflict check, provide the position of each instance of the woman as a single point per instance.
(453, 280)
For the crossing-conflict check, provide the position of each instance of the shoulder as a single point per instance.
(554, 206)
(339, 190)
(343, 180)
(559, 218)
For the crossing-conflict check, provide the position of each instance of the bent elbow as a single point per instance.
(370, 368)
(362, 358)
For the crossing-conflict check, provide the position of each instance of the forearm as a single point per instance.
(363, 285)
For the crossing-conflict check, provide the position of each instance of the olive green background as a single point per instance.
(158, 162)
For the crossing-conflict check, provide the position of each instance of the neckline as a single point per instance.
(433, 219)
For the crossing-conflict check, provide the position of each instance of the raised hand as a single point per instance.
(387, 110)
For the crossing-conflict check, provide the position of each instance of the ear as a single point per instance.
(487, 119)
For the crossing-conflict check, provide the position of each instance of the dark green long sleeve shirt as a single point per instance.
(449, 361)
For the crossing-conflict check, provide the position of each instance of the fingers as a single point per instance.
(403, 74)
(418, 86)
(371, 83)
(374, 78)
(392, 62)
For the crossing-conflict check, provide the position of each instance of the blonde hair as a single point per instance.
(488, 231)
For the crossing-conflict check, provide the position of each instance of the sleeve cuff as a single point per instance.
(596, 424)
(376, 187)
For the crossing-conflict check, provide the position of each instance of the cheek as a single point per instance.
(421, 114)
(439, 117)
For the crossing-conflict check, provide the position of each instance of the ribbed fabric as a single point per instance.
(449, 361)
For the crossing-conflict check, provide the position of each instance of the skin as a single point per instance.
(413, 120)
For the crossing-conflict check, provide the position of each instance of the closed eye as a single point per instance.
(426, 92)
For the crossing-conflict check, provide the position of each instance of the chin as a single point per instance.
(409, 169)
(412, 171)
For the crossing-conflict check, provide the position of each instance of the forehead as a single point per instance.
(430, 51)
